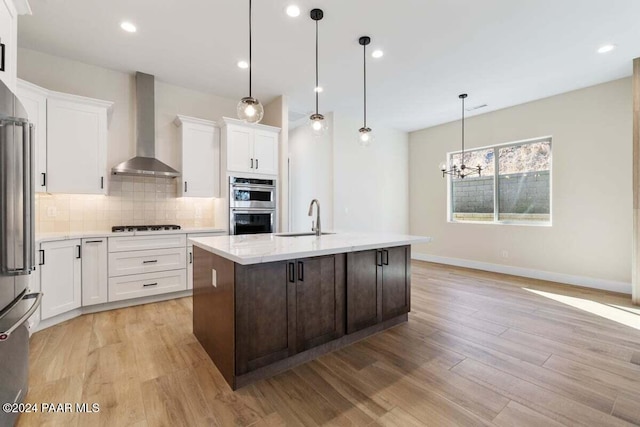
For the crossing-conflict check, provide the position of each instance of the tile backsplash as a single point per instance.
(131, 201)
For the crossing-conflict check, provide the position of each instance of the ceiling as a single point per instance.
(502, 52)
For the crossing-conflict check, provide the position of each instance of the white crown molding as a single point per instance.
(238, 122)
(81, 99)
(583, 281)
(22, 7)
(180, 120)
(23, 84)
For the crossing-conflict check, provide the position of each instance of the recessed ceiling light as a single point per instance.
(606, 48)
(293, 11)
(243, 64)
(128, 27)
(377, 53)
(318, 89)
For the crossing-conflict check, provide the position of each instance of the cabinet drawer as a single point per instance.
(142, 285)
(141, 243)
(137, 262)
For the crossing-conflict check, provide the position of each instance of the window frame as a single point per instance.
(496, 185)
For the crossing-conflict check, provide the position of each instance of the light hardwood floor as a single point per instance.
(479, 349)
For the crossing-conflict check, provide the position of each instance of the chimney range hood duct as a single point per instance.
(145, 163)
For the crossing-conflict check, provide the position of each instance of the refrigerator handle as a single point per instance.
(27, 199)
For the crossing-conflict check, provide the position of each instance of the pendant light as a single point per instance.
(365, 135)
(317, 121)
(463, 170)
(249, 108)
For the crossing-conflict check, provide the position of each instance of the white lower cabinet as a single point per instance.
(94, 272)
(142, 285)
(60, 276)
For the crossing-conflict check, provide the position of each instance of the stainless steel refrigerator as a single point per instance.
(17, 252)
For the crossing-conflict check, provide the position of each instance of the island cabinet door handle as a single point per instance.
(379, 258)
(385, 254)
(292, 273)
(301, 271)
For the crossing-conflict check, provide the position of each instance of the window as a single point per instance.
(514, 187)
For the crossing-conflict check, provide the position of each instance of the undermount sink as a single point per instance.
(310, 233)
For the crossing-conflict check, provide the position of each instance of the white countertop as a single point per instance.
(47, 237)
(259, 248)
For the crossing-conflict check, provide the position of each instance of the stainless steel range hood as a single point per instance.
(145, 163)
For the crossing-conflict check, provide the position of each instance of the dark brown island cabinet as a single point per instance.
(257, 320)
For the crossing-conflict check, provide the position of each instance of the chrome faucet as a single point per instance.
(317, 227)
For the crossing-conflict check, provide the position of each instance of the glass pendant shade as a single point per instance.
(250, 110)
(318, 125)
(365, 136)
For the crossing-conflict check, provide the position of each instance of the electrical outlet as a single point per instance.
(505, 253)
(52, 211)
(214, 278)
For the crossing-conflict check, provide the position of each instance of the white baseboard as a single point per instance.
(587, 282)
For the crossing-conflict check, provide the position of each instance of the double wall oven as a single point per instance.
(252, 205)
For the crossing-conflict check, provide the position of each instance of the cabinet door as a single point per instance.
(189, 267)
(76, 144)
(239, 149)
(200, 161)
(396, 281)
(364, 289)
(35, 102)
(60, 279)
(265, 315)
(94, 272)
(265, 152)
(319, 299)
(9, 37)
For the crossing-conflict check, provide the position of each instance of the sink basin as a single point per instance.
(310, 233)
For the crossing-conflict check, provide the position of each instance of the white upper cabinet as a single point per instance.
(34, 100)
(239, 148)
(76, 144)
(265, 152)
(9, 43)
(250, 148)
(200, 141)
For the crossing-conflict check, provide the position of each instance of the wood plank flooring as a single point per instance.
(479, 349)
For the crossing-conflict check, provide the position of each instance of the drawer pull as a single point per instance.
(150, 262)
(150, 284)
(93, 241)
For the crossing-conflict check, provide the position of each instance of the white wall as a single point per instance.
(370, 184)
(590, 241)
(360, 189)
(311, 176)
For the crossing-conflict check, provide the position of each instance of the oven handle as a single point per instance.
(253, 187)
(253, 211)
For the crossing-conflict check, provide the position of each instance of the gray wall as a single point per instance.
(519, 193)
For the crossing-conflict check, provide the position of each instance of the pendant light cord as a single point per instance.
(317, 83)
(250, 40)
(462, 131)
(364, 62)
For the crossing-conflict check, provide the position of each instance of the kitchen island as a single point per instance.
(264, 303)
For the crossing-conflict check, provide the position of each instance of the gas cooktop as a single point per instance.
(123, 228)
